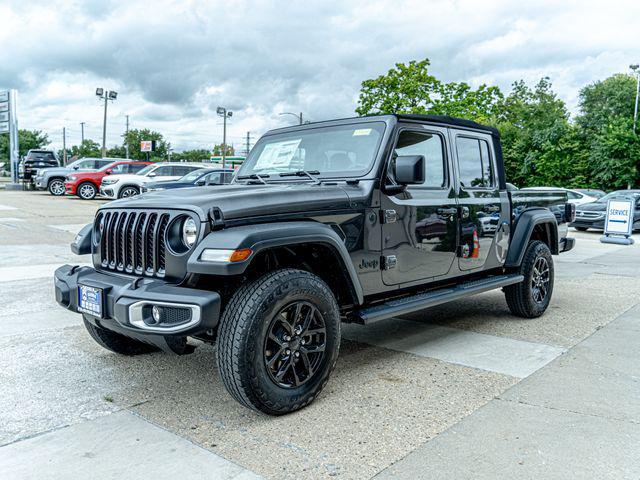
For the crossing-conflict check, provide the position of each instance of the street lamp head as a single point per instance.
(229, 114)
(113, 95)
(221, 111)
(634, 66)
(99, 92)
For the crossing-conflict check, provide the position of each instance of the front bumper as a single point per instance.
(566, 244)
(70, 188)
(126, 300)
(107, 192)
(597, 223)
(40, 184)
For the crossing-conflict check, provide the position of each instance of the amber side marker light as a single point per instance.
(225, 256)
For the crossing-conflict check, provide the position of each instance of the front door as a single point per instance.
(419, 225)
(481, 211)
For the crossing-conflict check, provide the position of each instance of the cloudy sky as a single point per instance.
(174, 62)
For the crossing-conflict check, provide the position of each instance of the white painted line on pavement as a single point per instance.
(7, 207)
(478, 350)
(28, 272)
(75, 228)
(120, 445)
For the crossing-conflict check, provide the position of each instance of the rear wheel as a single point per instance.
(530, 298)
(115, 342)
(278, 341)
(128, 192)
(56, 187)
(87, 191)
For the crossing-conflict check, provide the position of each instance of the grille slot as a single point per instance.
(134, 241)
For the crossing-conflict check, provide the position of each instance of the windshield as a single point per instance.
(619, 194)
(343, 150)
(146, 170)
(192, 176)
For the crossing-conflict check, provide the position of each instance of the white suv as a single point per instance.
(127, 185)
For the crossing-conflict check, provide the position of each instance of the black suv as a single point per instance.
(353, 220)
(35, 160)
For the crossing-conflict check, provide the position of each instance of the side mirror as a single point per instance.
(409, 169)
(152, 174)
(107, 172)
(76, 167)
(200, 183)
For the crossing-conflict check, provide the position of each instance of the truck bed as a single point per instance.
(554, 200)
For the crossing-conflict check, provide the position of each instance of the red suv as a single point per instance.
(87, 184)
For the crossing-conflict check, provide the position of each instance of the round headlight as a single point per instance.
(189, 232)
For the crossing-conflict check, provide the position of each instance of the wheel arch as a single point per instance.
(306, 245)
(532, 224)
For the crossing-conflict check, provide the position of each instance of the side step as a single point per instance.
(402, 306)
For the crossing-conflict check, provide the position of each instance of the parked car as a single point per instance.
(122, 186)
(575, 197)
(52, 179)
(86, 185)
(592, 192)
(197, 178)
(592, 215)
(36, 159)
(320, 224)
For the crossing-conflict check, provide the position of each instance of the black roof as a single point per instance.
(445, 119)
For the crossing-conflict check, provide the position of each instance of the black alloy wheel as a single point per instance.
(295, 345)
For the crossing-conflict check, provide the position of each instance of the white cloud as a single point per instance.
(174, 62)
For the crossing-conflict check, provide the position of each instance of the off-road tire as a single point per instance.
(245, 325)
(123, 190)
(92, 189)
(520, 296)
(54, 187)
(115, 342)
(581, 229)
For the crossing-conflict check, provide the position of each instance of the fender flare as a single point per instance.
(523, 230)
(266, 236)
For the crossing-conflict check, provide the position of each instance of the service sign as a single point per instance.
(4, 116)
(4, 96)
(4, 127)
(619, 217)
(4, 106)
(146, 145)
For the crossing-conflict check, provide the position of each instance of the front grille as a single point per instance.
(588, 214)
(133, 241)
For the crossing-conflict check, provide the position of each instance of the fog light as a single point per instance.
(156, 311)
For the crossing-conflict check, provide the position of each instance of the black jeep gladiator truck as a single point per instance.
(354, 220)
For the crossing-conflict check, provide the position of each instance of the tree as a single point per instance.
(217, 150)
(133, 139)
(604, 100)
(197, 155)
(88, 148)
(27, 139)
(410, 88)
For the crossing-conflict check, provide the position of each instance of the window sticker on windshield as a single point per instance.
(361, 132)
(278, 154)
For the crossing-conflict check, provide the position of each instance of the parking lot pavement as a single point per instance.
(455, 385)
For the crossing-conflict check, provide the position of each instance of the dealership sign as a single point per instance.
(146, 145)
(619, 217)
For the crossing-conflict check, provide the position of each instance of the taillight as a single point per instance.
(570, 212)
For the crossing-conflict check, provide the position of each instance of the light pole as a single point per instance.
(105, 95)
(297, 115)
(636, 69)
(224, 113)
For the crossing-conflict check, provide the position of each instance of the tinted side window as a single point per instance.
(135, 167)
(118, 169)
(474, 163)
(164, 171)
(429, 145)
(102, 163)
(182, 171)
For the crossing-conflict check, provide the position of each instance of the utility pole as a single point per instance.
(81, 133)
(64, 146)
(247, 145)
(126, 135)
(636, 69)
(101, 93)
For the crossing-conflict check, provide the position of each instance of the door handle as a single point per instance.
(447, 211)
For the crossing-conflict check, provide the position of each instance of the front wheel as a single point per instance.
(128, 192)
(56, 187)
(87, 191)
(278, 341)
(530, 298)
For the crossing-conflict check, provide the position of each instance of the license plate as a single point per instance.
(90, 300)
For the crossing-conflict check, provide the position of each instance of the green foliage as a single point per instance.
(197, 155)
(217, 150)
(27, 140)
(88, 148)
(411, 88)
(541, 146)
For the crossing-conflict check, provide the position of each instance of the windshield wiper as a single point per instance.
(303, 173)
(254, 176)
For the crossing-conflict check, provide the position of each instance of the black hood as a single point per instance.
(593, 207)
(240, 200)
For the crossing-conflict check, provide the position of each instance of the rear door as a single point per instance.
(482, 210)
(419, 225)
